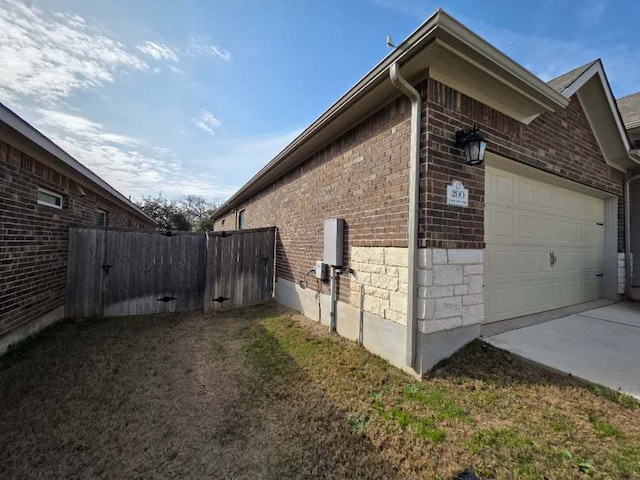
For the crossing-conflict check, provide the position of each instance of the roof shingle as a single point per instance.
(629, 107)
(563, 81)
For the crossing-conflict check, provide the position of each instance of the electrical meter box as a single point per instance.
(333, 241)
(321, 270)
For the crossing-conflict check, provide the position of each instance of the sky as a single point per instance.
(194, 97)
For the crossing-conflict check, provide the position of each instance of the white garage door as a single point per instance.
(544, 246)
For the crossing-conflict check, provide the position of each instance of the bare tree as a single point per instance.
(189, 212)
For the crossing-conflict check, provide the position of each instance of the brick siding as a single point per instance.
(560, 142)
(228, 222)
(33, 238)
(362, 177)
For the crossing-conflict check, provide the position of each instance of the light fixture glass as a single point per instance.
(473, 145)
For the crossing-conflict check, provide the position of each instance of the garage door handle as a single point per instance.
(552, 259)
(600, 275)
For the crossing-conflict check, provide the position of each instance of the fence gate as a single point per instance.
(115, 272)
(240, 268)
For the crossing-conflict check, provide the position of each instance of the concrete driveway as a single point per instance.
(600, 345)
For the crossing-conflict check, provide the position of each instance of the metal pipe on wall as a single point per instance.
(332, 301)
(414, 194)
(627, 235)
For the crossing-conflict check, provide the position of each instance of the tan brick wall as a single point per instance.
(33, 238)
(228, 222)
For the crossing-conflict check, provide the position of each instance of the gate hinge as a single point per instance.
(600, 224)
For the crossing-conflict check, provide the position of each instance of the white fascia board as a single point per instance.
(598, 69)
(484, 48)
(25, 129)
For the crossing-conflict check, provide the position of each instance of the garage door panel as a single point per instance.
(508, 299)
(575, 291)
(505, 225)
(529, 223)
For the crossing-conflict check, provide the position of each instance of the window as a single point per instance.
(242, 220)
(222, 223)
(101, 218)
(49, 198)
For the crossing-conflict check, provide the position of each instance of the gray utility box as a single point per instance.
(333, 241)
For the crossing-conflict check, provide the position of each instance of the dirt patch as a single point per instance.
(263, 393)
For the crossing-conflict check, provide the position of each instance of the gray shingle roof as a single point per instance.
(629, 107)
(563, 81)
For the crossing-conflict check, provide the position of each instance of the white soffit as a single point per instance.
(594, 93)
(460, 72)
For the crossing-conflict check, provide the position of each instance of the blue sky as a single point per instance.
(195, 96)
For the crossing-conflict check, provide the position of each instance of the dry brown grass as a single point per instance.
(262, 393)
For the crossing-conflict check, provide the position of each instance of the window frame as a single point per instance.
(242, 219)
(106, 217)
(53, 194)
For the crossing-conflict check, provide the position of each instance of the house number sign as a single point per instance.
(457, 195)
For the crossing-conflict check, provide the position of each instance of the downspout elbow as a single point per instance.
(414, 194)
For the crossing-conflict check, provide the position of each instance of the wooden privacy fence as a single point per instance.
(116, 272)
(239, 268)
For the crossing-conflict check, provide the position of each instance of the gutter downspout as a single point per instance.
(627, 236)
(414, 195)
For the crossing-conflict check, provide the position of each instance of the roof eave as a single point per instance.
(610, 131)
(34, 136)
(440, 24)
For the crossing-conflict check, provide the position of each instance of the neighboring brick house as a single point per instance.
(543, 224)
(43, 191)
(629, 108)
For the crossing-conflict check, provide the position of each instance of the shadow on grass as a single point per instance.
(480, 361)
(292, 427)
(166, 396)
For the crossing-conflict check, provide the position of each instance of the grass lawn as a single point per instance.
(266, 393)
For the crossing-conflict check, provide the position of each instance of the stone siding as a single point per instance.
(450, 288)
(382, 273)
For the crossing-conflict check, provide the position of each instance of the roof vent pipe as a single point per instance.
(414, 194)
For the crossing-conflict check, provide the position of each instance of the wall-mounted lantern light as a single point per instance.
(473, 144)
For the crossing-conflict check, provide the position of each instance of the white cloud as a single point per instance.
(205, 50)
(81, 127)
(127, 164)
(207, 121)
(221, 54)
(50, 57)
(158, 51)
(47, 58)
